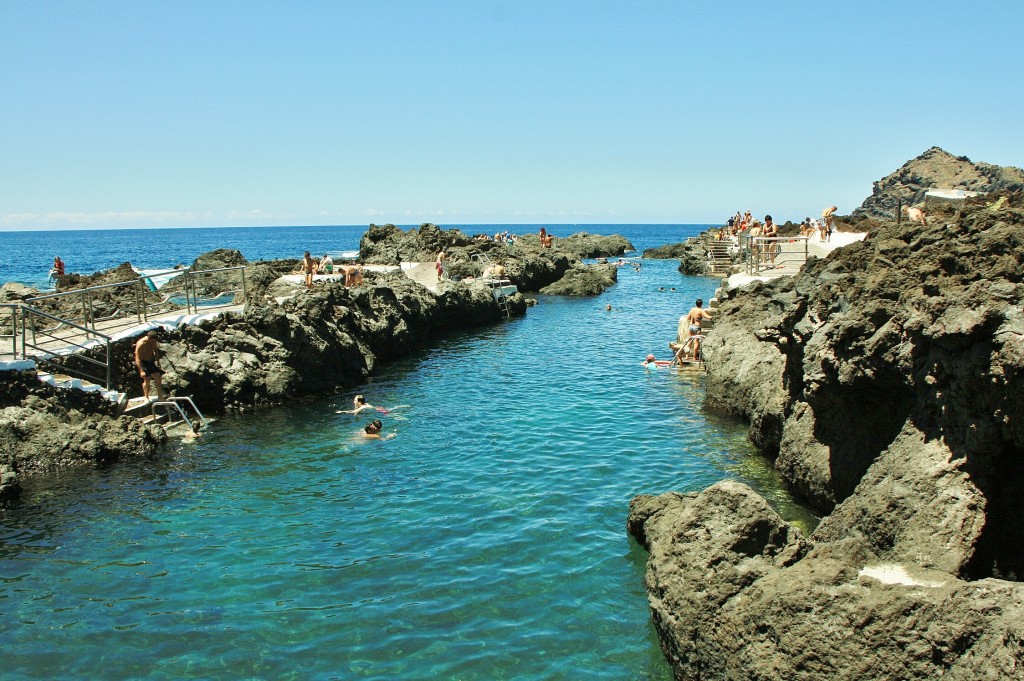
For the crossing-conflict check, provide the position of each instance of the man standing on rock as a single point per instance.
(147, 360)
(694, 319)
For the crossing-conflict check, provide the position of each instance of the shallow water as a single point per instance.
(486, 540)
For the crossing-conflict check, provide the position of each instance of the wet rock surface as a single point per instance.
(43, 427)
(885, 381)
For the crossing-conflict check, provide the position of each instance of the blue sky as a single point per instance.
(165, 114)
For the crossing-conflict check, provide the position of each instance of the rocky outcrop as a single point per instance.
(311, 342)
(585, 245)
(527, 264)
(737, 593)
(935, 169)
(583, 280)
(43, 428)
(669, 251)
(692, 255)
(884, 380)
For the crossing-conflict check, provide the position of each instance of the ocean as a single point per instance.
(28, 255)
(486, 540)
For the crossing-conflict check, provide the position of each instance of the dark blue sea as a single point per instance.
(485, 541)
(26, 257)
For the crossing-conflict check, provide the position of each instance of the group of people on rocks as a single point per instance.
(745, 223)
(310, 266)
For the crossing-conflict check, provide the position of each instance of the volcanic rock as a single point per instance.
(583, 280)
(885, 381)
(935, 169)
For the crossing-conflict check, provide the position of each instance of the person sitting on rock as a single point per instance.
(326, 264)
(916, 215)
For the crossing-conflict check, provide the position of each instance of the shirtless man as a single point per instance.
(693, 319)
(828, 222)
(308, 267)
(147, 360)
(372, 431)
(359, 404)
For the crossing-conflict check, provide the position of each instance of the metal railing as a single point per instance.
(136, 303)
(764, 253)
(176, 402)
(14, 308)
(30, 341)
(90, 298)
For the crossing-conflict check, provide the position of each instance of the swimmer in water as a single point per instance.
(359, 404)
(372, 431)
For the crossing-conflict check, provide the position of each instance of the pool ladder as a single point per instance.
(496, 288)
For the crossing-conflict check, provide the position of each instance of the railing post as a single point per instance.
(85, 312)
(140, 301)
(108, 365)
(245, 292)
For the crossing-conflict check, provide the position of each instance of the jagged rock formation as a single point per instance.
(43, 427)
(737, 593)
(528, 265)
(935, 169)
(885, 380)
(583, 280)
(311, 342)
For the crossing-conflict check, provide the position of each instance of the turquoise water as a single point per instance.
(486, 540)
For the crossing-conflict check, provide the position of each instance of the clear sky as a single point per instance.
(164, 114)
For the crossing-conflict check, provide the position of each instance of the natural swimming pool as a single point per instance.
(485, 541)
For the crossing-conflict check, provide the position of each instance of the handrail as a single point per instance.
(89, 318)
(757, 250)
(27, 319)
(698, 339)
(188, 400)
(171, 403)
(13, 335)
(174, 402)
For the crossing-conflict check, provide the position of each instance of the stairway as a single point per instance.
(719, 258)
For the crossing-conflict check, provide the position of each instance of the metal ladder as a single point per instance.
(494, 284)
(175, 404)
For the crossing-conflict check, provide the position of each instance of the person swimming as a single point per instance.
(372, 431)
(359, 404)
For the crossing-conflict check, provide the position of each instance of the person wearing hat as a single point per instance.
(147, 360)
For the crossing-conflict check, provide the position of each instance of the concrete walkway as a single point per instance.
(67, 340)
(814, 247)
